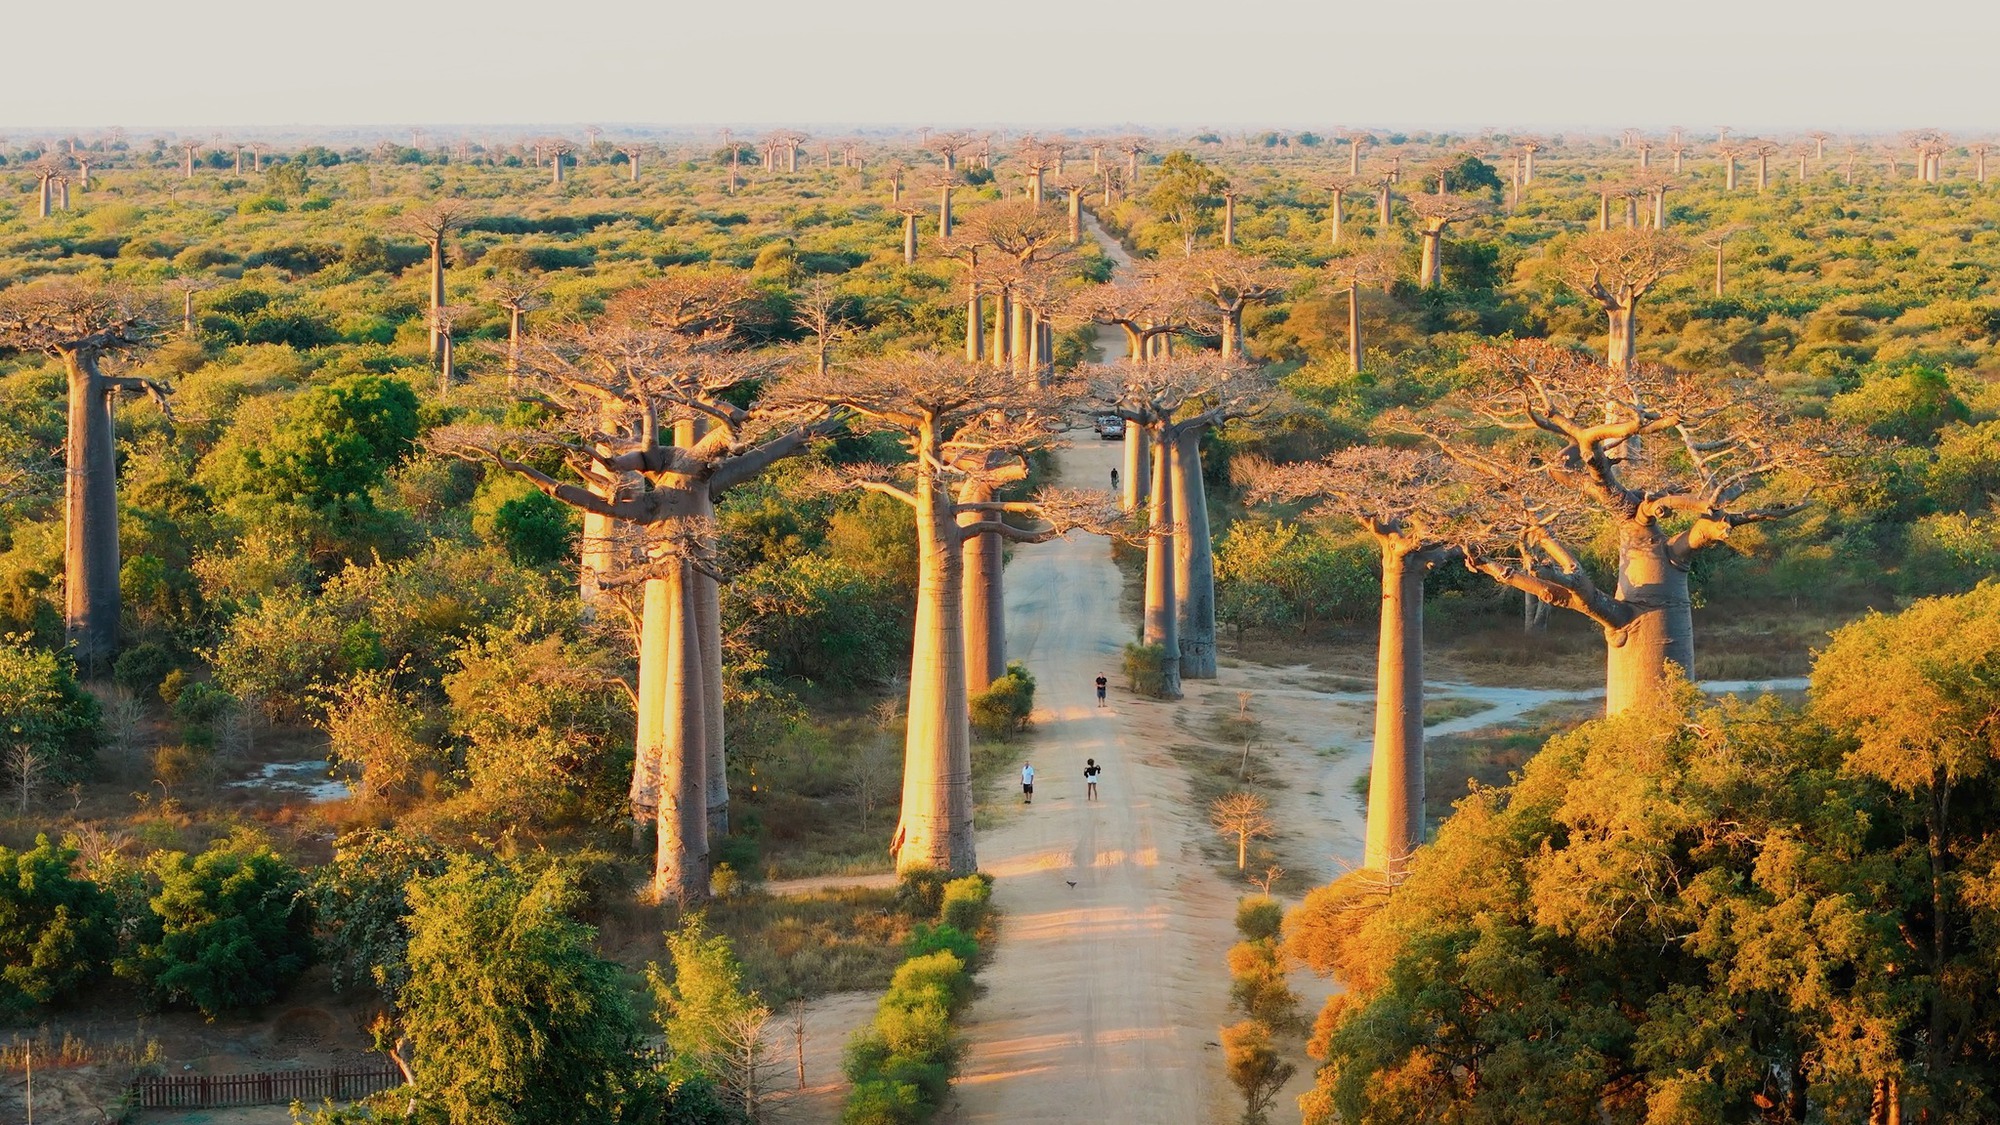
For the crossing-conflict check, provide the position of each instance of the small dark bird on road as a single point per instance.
(1071, 882)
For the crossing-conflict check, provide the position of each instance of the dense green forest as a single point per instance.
(421, 461)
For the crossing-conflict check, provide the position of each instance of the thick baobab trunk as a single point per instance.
(944, 211)
(1354, 327)
(1603, 210)
(1003, 312)
(1428, 269)
(1396, 768)
(936, 827)
(187, 169)
(447, 372)
(984, 601)
(90, 518)
(1229, 220)
(1161, 626)
(83, 174)
(47, 183)
(1763, 173)
(649, 749)
(1076, 216)
(1631, 212)
(1382, 207)
(1621, 337)
(1133, 490)
(708, 629)
(1333, 218)
(1132, 170)
(1661, 631)
(1660, 210)
(632, 166)
(437, 299)
(556, 169)
(239, 161)
(1354, 156)
(1232, 331)
(1718, 269)
(1677, 162)
(1528, 168)
(1020, 348)
(975, 327)
(910, 238)
(187, 312)
(680, 868)
(1194, 562)
(1729, 175)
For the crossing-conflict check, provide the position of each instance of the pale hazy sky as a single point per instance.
(1752, 64)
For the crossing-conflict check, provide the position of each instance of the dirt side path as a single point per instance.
(1108, 985)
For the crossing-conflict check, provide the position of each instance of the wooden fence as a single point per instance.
(279, 1087)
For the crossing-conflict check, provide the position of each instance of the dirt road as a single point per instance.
(1108, 985)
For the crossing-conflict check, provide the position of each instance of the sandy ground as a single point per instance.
(1104, 996)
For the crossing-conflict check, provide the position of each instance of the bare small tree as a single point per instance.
(1374, 267)
(1242, 816)
(26, 772)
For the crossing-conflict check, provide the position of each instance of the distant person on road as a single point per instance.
(1114, 480)
(1102, 683)
(1091, 772)
(1027, 784)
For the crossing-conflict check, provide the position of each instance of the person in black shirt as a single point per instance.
(1102, 683)
(1091, 771)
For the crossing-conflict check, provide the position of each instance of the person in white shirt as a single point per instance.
(1027, 784)
(1091, 772)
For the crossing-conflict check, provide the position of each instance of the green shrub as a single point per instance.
(965, 903)
(1145, 670)
(57, 931)
(44, 711)
(140, 669)
(949, 938)
(233, 928)
(920, 891)
(941, 975)
(916, 1031)
(878, 1101)
(1259, 917)
(1002, 710)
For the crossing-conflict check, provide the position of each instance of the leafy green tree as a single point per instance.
(232, 928)
(1911, 405)
(1184, 191)
(712, 1024)
(45, 713)
(57, 931)
(514, 1018)
(361, 907)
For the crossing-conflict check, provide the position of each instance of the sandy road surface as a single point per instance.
(1107, 987)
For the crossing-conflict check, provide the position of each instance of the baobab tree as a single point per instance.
(556, 150)
(1036, 158)
(1365, 268)
(1414, 507)
(1435, 213)
(1687, 499)
(1819, 138)
(966, 251)
(1714, 240)
(1340, 186)
(947, 182)
(1229, 193)
(434, 223)
(949, 145)
(1979, 150)
(1149, 308)
(1762, 150)
(257, 151)
(1178, 401)
(519, 296)
(911, 211)
(188, 149)
(666, 490)
(47, 169)
(1728, 153)
(1616, 269)
(957, 419)
(1132, 147)
(633, 152)
(81, 324)
(188, 285)
(1227, 281)
(1354, 143)
(1074, 187)
(1030, 239)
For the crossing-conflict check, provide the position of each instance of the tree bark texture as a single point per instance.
(910, 239)
(944, 211)
(1662, 630)
(1132, 484)
(680, 869)
(1429, 269)
(1396, 769)
(437, 299)
(984, 601)
(1020, 348)
(1333, 218)
(1621, 336)
(1161, 626)
(936, 827)
(90, 517)
(1003, 312)
(1194, 561)
(975, 327)
(1229, 220)
(1354, 327)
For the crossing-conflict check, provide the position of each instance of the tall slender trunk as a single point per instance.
(1333, 218)
(1232, 331)
(437, 299)
(1677, 162)
(1133, 485)
(708, 630)
(1660, 210)
(187, 312)
(632, 166)
(1354, 156)
(1718, 269)
(1161, 626)
(1003, 312)
(910, 238)
(1631, 212)
(1603, 210)
(514, 316)
(1382, 207)
(936, 827)
(984, 600)
(43, 210)
(90, 517)
(1621, 337)
(975, 326)
(1229, 220)
(649, 749)
(1428, 269)
(1528, 168)
(1354, 327)
(1763, 173)
(447, 372)
(1396, 769)
(1729, 176)
(1637, 655)
(1019, 350)
(680, 868)
(1194, 561)
(556, 169)
(1076, 216)
(944, 211)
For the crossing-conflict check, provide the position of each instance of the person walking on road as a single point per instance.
(1102, 683)
(1114, 480)
(1091, 772)
(1027, 784)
